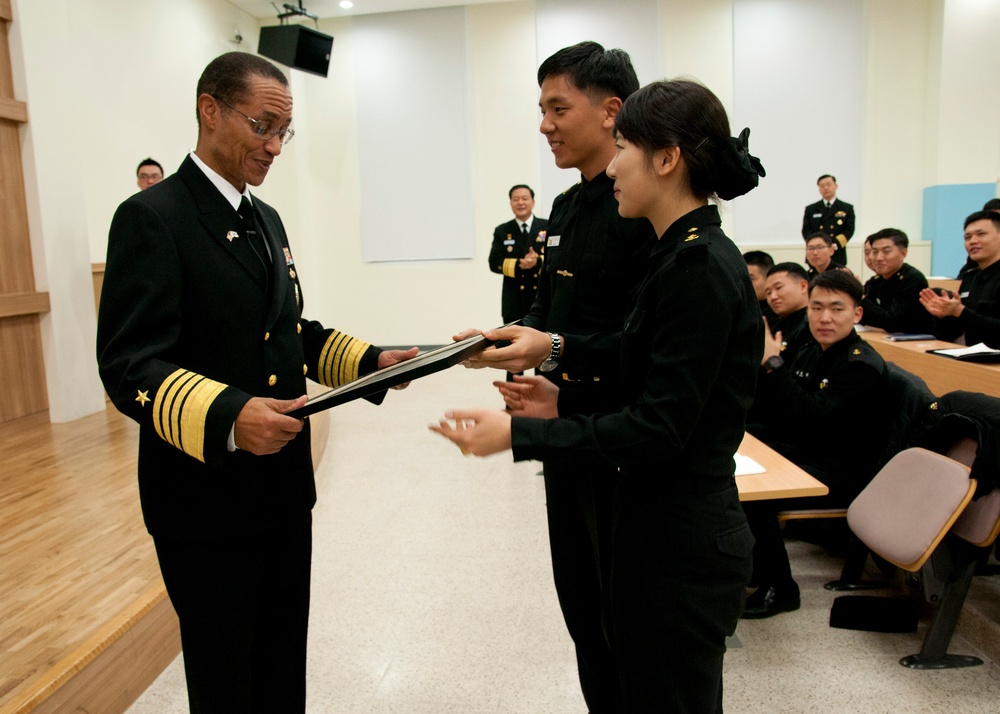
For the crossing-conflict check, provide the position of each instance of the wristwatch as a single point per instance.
(553, 361)
(773, 362)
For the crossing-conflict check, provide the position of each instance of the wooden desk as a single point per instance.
(782, 480)
(945, 283)
(941, 373)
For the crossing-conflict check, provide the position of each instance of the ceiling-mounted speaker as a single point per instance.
(297, 46)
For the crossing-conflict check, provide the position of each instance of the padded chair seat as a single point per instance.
(910, 505)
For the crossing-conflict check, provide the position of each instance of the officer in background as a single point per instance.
(517, 253)
(148, 173)
(831, 216)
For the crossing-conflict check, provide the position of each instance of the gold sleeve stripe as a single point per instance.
(181, 409)
(509, 265)
(340, 359)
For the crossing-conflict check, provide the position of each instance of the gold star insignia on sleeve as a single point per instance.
(143, 397)
(857, 351)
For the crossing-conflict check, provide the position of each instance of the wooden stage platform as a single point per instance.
(86, 624)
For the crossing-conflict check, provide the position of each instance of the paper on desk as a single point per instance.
(745, 466)
(978, 349)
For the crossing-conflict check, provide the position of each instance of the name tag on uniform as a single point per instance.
(964, 295)
(509, 242)
(817, 215)
(553, 241)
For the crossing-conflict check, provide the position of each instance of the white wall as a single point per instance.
(110, 81)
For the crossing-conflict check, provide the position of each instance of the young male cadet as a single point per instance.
(517, 253)
(758, 263)
(974, 313)
(820, 249)
(787, 290)
(593, 259)
(837, 384)
(201, 340)
(892, 296)
(831, 216)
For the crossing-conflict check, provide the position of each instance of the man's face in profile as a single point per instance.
(572, 124)
(148, 175)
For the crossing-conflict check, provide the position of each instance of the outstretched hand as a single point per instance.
(528, 349)
(530, 396)
(476, 431)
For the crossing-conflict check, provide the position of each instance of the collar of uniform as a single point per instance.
(595, 187)
(990, 270)
(844, 345)
(680, 229)
(227, 190)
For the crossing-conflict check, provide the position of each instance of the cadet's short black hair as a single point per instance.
(839, 281)
(794, 270)
(820, 234)
(992, 205)
(598, 72)
(510, 194)
(983, 216)
(762, 260)
(829, 176)
(148, 162)
(897, 236)
(227, 77)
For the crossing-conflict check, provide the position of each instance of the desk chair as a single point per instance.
(918, 514)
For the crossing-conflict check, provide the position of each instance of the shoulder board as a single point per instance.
(863, 352)
(689, 250)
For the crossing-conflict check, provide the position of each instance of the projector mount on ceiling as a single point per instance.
(292, 11)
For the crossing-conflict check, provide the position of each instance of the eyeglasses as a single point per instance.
(261, 127)
(817, 248)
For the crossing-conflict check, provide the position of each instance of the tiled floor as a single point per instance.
(432, 593)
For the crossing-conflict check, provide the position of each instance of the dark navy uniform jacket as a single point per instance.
(689, 355)
(893, 304)
(187, 335)
(593, 260)
(828, 410)
(509, 246)
(980, 320)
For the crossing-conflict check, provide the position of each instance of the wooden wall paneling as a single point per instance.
(20, 333)
(24, 389)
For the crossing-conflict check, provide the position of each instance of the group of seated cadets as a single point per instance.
(833, 380)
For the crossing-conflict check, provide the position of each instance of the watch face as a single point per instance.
(548, 365)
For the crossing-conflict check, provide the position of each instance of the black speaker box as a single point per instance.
(297, 46)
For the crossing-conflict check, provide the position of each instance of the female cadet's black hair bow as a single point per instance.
(737, 171)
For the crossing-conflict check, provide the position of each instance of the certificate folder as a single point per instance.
(975, 353)
(420, 366)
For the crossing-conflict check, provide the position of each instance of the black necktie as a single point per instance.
(255, 237)
(524, 230)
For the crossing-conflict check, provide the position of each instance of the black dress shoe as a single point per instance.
(769, 601)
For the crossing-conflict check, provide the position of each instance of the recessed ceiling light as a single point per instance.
(346, 4)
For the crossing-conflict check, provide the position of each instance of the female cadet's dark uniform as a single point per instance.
(681, 547)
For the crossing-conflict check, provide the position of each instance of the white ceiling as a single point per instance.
(264, 10)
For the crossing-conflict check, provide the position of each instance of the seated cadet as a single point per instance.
(973, 315)
(868, 256)
(758, 263)
(835, 382)
(892, 296)
(819, 253)
(787, 290)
